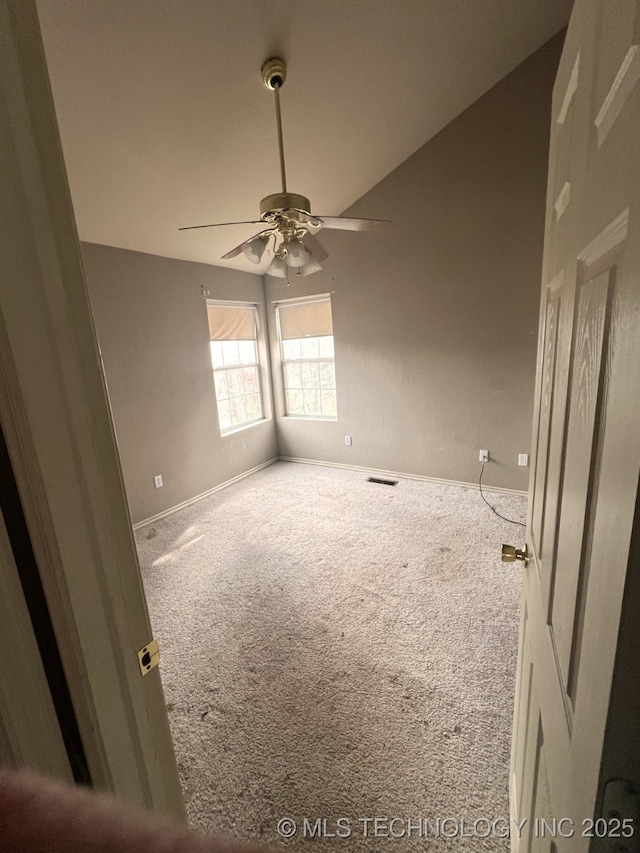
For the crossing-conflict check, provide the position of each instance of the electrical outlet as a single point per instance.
(347, 440)
(483, 456)
(523, 459)
(158, 480)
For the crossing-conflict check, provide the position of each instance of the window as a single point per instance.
(306, 344)
(236, 368)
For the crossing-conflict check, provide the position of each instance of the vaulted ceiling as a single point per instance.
(165, 121)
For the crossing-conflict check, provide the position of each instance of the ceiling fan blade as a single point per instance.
(238, 249)
(345, 223)
(218, 224)
(314, 247)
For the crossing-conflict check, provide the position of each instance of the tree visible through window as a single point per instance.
(236, 366)
(309, 375)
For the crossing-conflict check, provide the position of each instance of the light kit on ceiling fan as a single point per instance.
(254, 248)
(297, 255)
(312, 265)
(279, 268)
(290, 239)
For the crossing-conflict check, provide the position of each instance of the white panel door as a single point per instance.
(586, 432)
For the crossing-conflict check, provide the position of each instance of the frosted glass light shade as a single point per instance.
(278, 268)
(297, 255)
(254, 249)
(311, 266)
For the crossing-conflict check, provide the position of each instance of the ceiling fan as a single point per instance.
(291, 227)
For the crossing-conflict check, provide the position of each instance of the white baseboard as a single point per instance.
(403, 476)
(400, 474)
(206, 494)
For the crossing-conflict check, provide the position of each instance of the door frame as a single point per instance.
(29, 730)
(57, 422)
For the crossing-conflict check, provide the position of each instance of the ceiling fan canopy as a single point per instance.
(290, 239)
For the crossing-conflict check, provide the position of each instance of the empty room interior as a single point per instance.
(301, 432)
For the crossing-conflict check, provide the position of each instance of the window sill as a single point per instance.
(243, 427)
(309, 418)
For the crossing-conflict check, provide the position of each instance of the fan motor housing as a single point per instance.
(278, 202)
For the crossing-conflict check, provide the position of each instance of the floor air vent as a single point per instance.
(382, 480)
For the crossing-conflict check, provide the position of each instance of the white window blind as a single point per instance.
(231, 322)
(305, 319)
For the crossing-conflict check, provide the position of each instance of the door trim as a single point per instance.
(59, 434)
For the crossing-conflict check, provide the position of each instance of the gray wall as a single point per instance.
(435, 323)
(152, 329)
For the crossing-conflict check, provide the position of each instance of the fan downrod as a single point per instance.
(274, 73)
(273, 208)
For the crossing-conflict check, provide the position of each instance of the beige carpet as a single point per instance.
(336, 649)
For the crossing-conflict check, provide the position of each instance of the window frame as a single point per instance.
(229, 303)
(325, 297)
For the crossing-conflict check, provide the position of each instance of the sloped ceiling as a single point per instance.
(165, 121)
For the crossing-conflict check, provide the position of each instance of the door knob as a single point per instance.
(510, 554)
